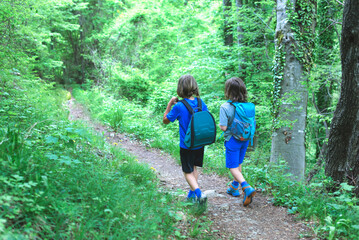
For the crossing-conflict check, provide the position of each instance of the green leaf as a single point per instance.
(346, 187)
(2, 225)
(51, 139)
(52, 156)
(12, 113)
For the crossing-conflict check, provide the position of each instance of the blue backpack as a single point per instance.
(201, 130)
(244, 123)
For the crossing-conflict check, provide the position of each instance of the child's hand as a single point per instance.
(173, 100)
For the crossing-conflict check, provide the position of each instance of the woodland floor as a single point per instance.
(231, 220)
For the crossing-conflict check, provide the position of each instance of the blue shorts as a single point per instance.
(235, 151)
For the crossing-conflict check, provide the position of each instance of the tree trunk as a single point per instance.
(290, 96)
(343, 146)
(239, 5)
(228, 33)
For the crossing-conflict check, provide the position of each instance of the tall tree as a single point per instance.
(294, 34)
(343, 146)
(239, 5)
(228, 32)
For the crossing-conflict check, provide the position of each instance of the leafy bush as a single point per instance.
(132, 84)
(136, 120)
(161, 95)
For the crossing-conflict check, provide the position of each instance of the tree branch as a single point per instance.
(340, 2)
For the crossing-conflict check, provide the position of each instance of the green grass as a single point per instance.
(58, 180)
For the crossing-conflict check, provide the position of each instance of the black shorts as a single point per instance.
(191, 158)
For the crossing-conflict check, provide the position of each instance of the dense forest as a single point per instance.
(122, 60)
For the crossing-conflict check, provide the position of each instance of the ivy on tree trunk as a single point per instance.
(294, 32)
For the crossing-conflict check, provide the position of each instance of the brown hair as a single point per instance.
(235, 90)
(187, 87)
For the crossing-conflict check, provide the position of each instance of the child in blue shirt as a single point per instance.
(236, 91)
(187, 88)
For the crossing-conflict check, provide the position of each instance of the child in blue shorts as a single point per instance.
(187, 88)
(236, 91)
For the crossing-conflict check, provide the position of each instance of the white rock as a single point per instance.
(210, 193)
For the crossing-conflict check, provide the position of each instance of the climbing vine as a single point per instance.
(302, 20)
(301, 17)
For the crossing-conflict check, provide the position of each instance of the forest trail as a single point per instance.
(231, 220)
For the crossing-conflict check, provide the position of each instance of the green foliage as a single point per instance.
(326, 39)
(301, 15)
(325, 76)
(161, 95)
(334, 214)
(132, 84)
(133, 53)
(57, 180)
(130, 43)
(136, 119)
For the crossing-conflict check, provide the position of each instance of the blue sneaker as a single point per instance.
(233, 191)
(202, 200)
(248, 193)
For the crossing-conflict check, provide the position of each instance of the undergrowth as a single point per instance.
(330, 215)
(60, 181)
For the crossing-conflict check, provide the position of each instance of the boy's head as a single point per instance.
(187, 87)
(235, 90)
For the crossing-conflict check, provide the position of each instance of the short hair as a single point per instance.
(235, 90)
(187, 87)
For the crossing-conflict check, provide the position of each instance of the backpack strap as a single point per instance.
(238, 108)
(199, 103)
(234, 113)
(186, 104)
(189, 108)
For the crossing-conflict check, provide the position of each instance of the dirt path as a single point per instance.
(260, 220)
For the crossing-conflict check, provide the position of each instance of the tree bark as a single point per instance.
(343, 146)
(288, 139)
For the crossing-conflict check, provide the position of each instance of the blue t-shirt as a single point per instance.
(180, 112)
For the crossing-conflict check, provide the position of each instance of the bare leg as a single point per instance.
(237, 174)
(191, 180)
(195, 172)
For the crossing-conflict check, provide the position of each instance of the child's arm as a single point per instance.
(223, 119)
(172, 102)
(223, 128)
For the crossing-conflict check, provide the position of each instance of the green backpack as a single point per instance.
(201, 130)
